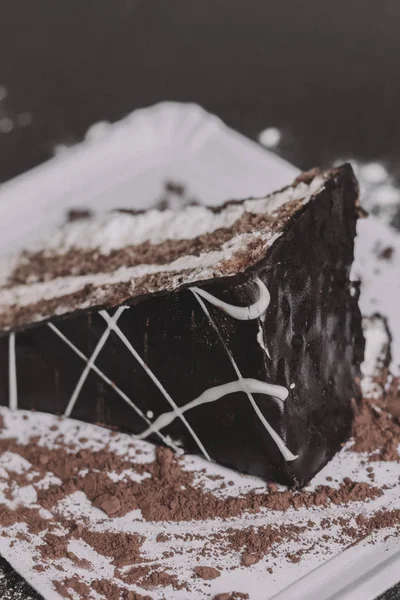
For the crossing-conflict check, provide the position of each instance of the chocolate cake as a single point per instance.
(233, 332)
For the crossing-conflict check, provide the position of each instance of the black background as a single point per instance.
(327, 74)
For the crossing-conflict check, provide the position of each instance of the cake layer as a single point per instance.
(250, 358)
(108, 258)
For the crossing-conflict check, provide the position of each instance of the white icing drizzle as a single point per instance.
(104, 377)
(286, 453)
(247, 386)
(12, 373)
(91, 360)
(242, 313)
(215, 393)
(177, 410)
(260, 338)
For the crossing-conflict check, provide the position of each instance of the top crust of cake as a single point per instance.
(110, 258)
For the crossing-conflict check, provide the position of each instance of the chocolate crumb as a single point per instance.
(294, 557)
(162, 537)
(77, 214)
(307, 176)
(249, 559)
(110, 504)
(39, 568)
(174, 187)
(386, 253)
(207, 573)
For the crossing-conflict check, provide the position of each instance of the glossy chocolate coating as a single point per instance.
(312, 330)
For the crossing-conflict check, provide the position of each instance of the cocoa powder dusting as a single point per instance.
(376, 427)
(129, 595)
(161, 578)
(257, 542)
(392, 399)
(55, 546)
(122, 548)
(112, 591)
(169, 493)
(69, 584)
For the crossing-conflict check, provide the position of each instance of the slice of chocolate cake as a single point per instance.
(233, 332)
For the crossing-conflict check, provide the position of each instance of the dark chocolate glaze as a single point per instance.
(312, 330)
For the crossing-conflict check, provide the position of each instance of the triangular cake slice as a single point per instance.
(233, 332)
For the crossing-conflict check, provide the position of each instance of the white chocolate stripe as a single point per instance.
(111, 384)
(215, 393)
(286, 453)
(12, 373)
(242, 313)
(177, 410)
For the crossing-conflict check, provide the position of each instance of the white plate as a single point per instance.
(128, 167)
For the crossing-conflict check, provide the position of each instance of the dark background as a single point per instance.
(327, 74)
